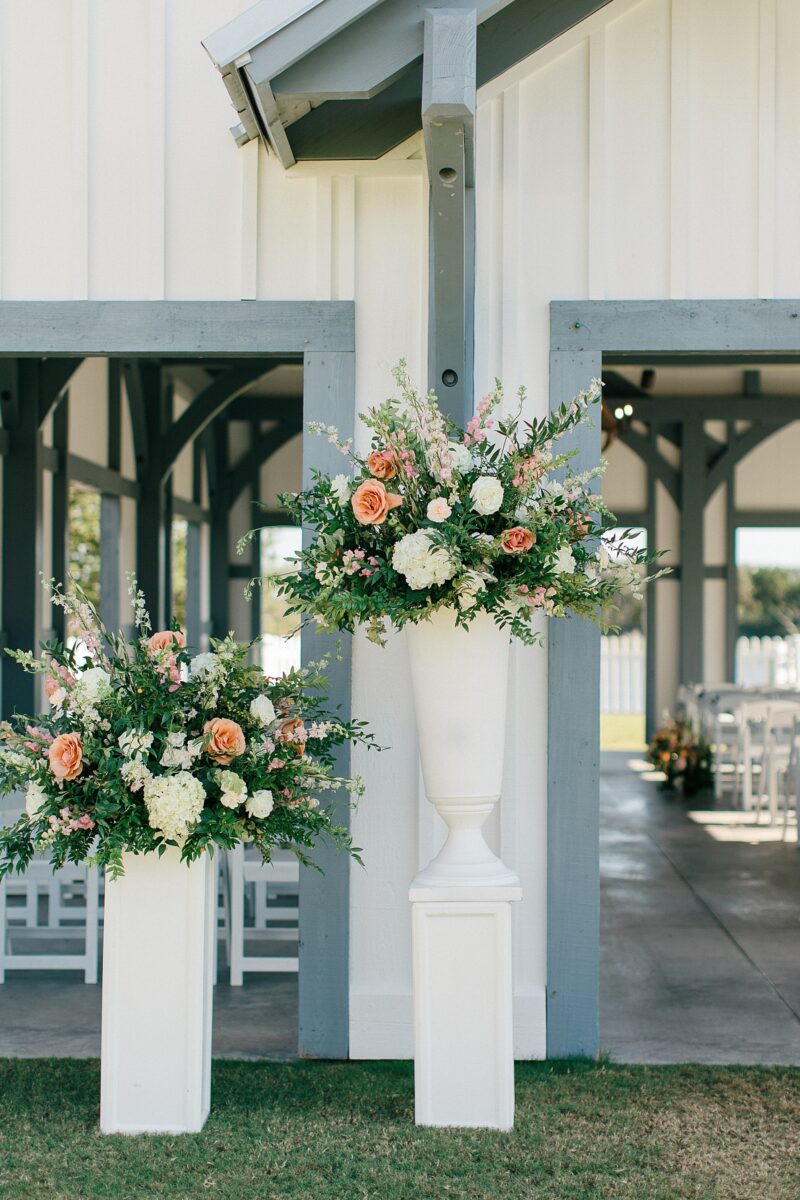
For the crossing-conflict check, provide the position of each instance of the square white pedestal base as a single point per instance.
(158, 956)
(463, 1031)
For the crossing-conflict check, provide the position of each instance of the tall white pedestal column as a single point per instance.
(463, 1029)
(158, 955)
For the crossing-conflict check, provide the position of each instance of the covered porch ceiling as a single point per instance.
(342, 79)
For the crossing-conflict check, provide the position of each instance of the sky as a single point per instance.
(768, 548)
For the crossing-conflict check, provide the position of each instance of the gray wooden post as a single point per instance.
(448, 118)
(324, 979)
(573, 763)
(22, 526)
(216, 443)
(59, 508)
(693, 498)
(111, 507)
(143, 381)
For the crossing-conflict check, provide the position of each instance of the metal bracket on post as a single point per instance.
(448, 121)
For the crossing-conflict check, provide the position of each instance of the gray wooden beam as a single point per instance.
(692, 542)
(324, 1002)
(22, 528)
(716, 326)
(770, 409)
(573, 766)
(111, 504)
(215, 439)
(175, 328)
(263, 447)
(448, 121)
(741, 447)
(647, 450)
(59, 508)
(731, 575)
(767, 518)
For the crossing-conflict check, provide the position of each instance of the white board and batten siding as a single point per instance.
(649, 152)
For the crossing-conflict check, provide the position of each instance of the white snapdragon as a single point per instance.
(487, 495)
(134, 742)
(262, 710)
(135, 774)
(260, 804)
(565, 562)
(461, 457)
(35, 797)
(422, 562)
(341, 487)
(232, 787)
(174, 804)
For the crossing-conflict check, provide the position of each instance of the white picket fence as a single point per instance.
(622, 673)
(768, 660)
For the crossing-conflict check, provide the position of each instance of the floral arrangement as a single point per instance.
(486, 518)
(685, 759)
(145, 746)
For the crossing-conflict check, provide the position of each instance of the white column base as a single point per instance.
(158, 957)
(463, 1030)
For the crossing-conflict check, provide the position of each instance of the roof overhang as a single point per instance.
(342, 79)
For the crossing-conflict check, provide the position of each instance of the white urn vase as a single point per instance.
(460, 683)
(158, 960)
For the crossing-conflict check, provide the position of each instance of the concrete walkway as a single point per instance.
(700, 929)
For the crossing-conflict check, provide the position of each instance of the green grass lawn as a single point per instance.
(326, 1131)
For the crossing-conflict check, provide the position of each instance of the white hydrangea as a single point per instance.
(202, 663)
(94, 683)
(262, 710)
(461, 457)
(341, 487)
(134, 742)
(35, 796)
(135, 774)
(177, 753)
(174, 804)
(260, 804)
(232, 787)
(565, 562)
(423, 563)
(487, 495)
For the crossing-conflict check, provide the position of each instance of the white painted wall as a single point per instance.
(649, 152)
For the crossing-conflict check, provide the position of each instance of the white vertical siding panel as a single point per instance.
(205, 172)
(344, 238)
(39, 219)
(722, 167)
(324, 237)
(787, 151)
(511, 243)
(489, 248)
(598, 167)
(287, 262)
(248, 240)
(127, 149)
(79, 151)
(636, 161)
(767, 30)
(679, 184)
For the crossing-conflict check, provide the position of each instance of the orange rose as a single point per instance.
(382, 464)
(517, 540)
(294, 731)
(371, 502)
(166, 639)
(66, 756)
(226, 740)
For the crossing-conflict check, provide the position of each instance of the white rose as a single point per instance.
(461, 457)
(565, 562)
(487, 495)
(35, 796)
(202, 663)
(94, 683)
(439, 510)
(260, 804)
(233, 788)
(341, 487)
(262, 710)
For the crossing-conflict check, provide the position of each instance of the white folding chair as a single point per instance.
(74, 916)
(790, 780)
(282, 874)
(778, 744)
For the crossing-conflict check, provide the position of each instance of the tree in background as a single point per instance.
(83, 567)
(769, 601)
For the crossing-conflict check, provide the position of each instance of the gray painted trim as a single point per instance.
(324, 999)
(692, 544)
(739, 449)
(573, 766)
(716, 326)
(731, 578)
(647, 450)
(188, 510)
(175, 328)
(775, 409)
(755, 518)
(651, 714)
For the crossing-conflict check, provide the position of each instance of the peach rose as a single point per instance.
(382, 464)
(294, 731)
(371, 502)
(166, 639)
(226, 740)
(517, 540)
(66, 756)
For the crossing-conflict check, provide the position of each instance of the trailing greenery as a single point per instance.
(344, 1131)
(145, 746)
(483, 519)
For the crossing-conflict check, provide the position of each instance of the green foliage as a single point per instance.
(769, 601)
(685, 759)
(511, 531)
